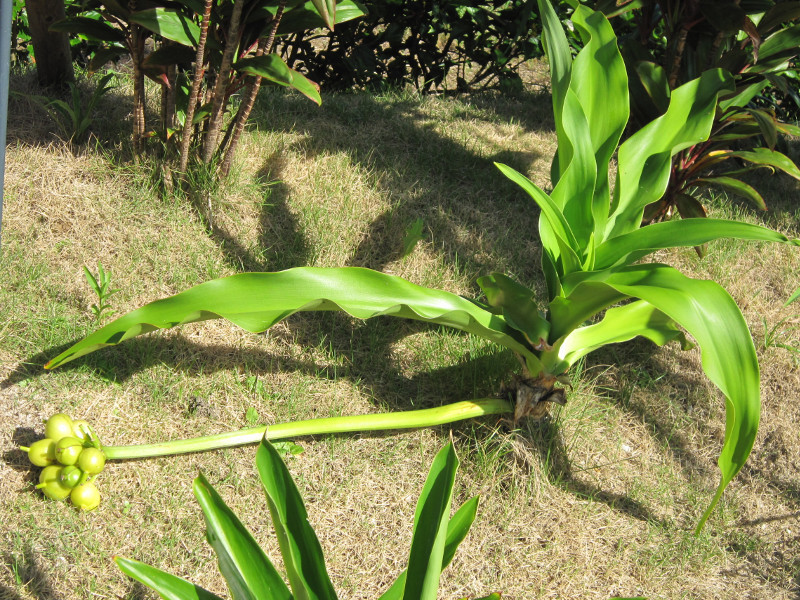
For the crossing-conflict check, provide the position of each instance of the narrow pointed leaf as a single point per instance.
(430, 528)
(795, 296)
(256, 301)
(632, 246)
(249, 573)
(168, 586)
(168, 23)
(767, 157)
(306, 17)
(734, 186)
(550, 210)
(272, 68)
(300, 548)
(457, 530)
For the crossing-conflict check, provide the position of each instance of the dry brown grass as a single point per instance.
(600, 501)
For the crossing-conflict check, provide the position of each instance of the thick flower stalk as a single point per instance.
(72, 455)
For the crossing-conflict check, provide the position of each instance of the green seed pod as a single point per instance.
(85, 496)
(92, 461)
(58, 426)
(71, 476)
(42, 452)
(50, 483)
(68, 450)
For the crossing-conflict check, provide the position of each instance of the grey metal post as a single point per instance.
(6, 11)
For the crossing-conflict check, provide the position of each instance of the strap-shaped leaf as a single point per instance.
(644, 159)
(629, 247)
(272, 68)
(728, 356)
(734, 186)
(168, 23)
(457, 530)
(300, 548)
(249, 573)
(767, 158)
(430, 528)
(168, 586)
(256, 301)
(619, 325)
(550, 210)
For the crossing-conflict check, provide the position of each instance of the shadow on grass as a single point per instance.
(29, 576)
(281, 243)
(546, 437)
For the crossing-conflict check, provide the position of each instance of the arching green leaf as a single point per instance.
(168, 586)
(256, 301)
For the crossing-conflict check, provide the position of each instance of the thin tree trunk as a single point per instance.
(137, 54)
(51, 48)
(254, 84)
(199, 72)
(221, 84)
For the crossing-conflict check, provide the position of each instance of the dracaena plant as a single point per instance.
(672, 42)
(249, 572)
(231, 44)
(598, 292)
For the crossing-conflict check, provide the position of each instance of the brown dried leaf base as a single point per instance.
(532, 397)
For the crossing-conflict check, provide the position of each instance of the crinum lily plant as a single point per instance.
(598, 291)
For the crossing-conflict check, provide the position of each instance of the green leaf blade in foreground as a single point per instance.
(632, 246)
(256, 301)
(728, 355)
(300, 548)
(249, 573)
(168, 586)
(430, 528)
(457, 530)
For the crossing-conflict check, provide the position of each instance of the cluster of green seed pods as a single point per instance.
(72, 458)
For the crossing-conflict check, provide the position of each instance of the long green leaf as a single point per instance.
(168, 586)
(766, 157)
(249, 573)
(300, 548)
(794, 297)
(728, 356)
(93, 28)
(619, 325)
(457, 530)
(644, 158)
(430, 528)
(629, 247)
(256, 301)
(272, 68)
(168, 23)
(517, 305)
(734, 186)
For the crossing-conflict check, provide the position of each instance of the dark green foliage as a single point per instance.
(430, 44)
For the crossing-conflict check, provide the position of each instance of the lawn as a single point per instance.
(601, 499)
